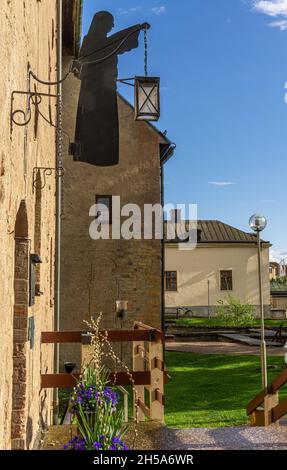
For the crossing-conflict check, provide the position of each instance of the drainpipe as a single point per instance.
(162, 254)
(58, 203)
(167, 154)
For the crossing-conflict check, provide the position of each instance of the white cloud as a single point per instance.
(221, 183)
(158, 10)
(273, 8)
(122, 11)
(276, 255)
(281, 24)
(269, 201)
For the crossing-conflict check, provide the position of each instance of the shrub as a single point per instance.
(234, 313)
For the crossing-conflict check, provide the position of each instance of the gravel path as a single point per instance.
(232, 438)
(217, 347)
(153, 436)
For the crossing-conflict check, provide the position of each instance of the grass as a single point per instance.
(210, 322)
(208, 390)
(212, 390)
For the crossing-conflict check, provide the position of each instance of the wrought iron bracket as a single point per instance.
(126, 81)
(34, 98)
(44, 172)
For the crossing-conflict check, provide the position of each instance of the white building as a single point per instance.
(223, 262)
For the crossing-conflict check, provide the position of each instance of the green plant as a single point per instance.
(99, 413)
(235, 313)
(282, 280)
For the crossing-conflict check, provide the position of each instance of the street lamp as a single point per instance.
(258, 223)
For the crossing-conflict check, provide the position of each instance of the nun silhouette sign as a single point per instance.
(97, 126)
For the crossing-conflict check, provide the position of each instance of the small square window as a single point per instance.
(226, 282)
(107, 202)
(171, 281)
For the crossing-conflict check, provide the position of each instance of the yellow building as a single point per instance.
(224, 261)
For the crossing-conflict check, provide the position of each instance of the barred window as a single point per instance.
(226, 282)
(171, 280)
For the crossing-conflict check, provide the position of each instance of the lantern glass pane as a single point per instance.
(147, 99)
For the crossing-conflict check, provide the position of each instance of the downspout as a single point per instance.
(167, 154)
(162, 253)
(58, 204)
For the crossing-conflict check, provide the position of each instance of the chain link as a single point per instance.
(60, 151)
(145, 53)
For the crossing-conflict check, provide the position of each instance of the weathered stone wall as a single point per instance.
(28, 34)
(96, 273)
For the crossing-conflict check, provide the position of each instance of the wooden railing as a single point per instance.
(265, 408)
(148, 372)
(149, 356)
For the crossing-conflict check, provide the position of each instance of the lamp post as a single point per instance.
(258, 223)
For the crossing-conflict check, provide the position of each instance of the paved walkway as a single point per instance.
(216, 347)
(233, 438)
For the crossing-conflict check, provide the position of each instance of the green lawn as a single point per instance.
(208, 390)
(206, 322)
(212, 390)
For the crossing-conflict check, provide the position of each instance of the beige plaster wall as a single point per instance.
(196, 267)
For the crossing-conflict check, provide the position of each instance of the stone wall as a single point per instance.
(96, 273)
(28, 34)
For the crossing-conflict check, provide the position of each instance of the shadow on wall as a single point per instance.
(29, 432)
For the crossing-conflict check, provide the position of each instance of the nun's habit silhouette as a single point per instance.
(97, 127)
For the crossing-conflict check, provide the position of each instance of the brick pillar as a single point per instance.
(20, 330)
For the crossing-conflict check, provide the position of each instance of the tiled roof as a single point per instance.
(214, 231)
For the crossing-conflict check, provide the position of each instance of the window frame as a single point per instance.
(220, 280)
(165, 281)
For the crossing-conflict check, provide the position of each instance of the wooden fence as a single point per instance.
(265, 408)
(148, 371)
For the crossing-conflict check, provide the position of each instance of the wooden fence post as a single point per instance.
(139, 365)
(270, 401)
(156, 389)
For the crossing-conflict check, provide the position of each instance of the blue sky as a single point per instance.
(223, 69)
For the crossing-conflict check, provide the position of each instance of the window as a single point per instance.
(171, 280)
(226, 282)
(105, 201)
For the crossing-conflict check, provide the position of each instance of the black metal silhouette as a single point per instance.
(97, 127)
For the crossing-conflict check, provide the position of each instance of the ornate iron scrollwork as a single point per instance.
(44, 172)
(33, 98)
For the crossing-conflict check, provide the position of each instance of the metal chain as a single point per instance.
(60, 171)
(145, 52)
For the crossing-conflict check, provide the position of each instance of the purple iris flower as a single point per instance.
(97, 445)
(77, 443)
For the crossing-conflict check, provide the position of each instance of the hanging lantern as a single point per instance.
(147, 99)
